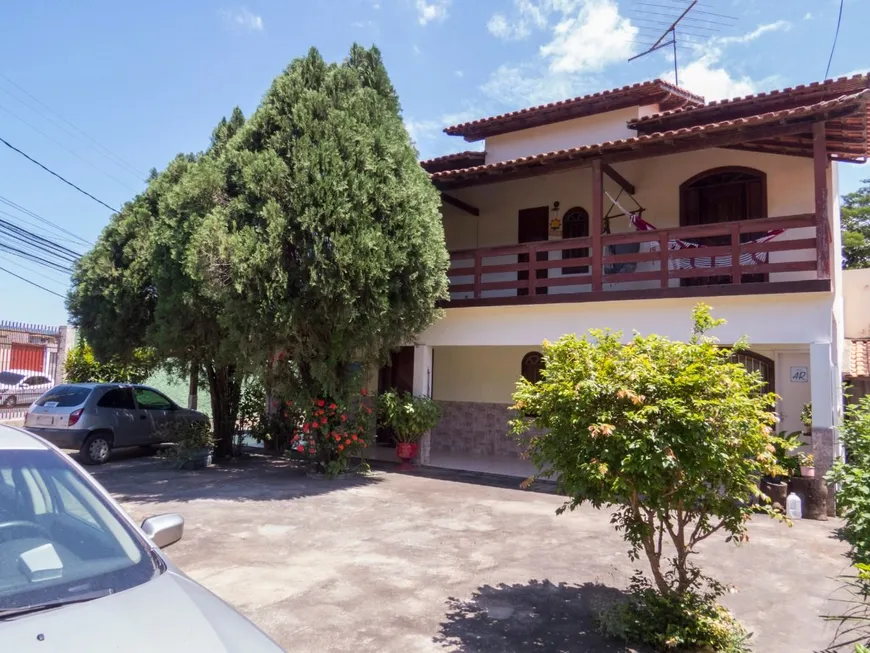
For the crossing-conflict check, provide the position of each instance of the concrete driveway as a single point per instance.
(408, 563)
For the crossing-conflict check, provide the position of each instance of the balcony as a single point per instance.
(660, 263)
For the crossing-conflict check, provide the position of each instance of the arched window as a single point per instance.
(532, 364)
(726, 194)
(757, 363)
(575, 224)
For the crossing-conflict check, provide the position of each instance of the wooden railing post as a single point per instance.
(478, 264)
(820, 177)
(533, 259)
(664, 260)
(736, 276)
(596, 227)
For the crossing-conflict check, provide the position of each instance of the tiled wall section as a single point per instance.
(475, 428)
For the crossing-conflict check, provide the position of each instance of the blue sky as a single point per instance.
(149, 80)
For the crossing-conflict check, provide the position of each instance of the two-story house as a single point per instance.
(622, 210)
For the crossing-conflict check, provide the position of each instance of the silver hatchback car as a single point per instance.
(94, 418)
(76, 574)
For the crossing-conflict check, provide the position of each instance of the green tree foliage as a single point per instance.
(672, 436)
(853, 475)
(855, 226)
(308, 229)
(332, 239)
(83, 367)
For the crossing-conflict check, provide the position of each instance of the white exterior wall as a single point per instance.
(489, 375)
(856, 297)
(610, 126)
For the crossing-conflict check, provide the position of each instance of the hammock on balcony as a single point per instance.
(696, 262)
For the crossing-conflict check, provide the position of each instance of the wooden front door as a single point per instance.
(399, 376)
(532, 227)
(723, 195)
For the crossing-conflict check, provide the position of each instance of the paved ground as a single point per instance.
(408, 564)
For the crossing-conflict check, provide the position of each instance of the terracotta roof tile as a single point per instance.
(859, 98)
(567, 109)
(858, 360)
(453, 161)
(836, 86)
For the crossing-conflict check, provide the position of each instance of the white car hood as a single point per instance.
(168, 614)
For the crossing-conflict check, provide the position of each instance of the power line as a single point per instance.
(28, 212)
(30, 256)
(32, 271)
(70, 151)
(117, 159)
(30, 238)
(50, 171)
(32, 283)
(834, 44)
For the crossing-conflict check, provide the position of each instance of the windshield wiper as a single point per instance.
(48, 605)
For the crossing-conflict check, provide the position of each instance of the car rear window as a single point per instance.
(64, 396)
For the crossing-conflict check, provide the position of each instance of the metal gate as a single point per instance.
(28, 364)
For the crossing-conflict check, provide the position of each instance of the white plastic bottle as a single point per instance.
(793, 508)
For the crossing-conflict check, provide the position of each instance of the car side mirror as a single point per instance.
(164, 530)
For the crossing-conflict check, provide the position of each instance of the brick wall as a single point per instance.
(475, 428)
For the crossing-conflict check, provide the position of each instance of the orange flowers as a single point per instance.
(364, 392)
(341, 447)
(321, 403)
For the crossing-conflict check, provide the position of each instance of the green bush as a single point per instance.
(853, 475)
(189, 438)
(693, 621)
(410, 416)
(83, 367)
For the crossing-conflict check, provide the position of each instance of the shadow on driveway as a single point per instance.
(535, 616)
(258, 478)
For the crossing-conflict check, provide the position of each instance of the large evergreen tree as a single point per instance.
(309, 229)
(855, 219)
(332, 235)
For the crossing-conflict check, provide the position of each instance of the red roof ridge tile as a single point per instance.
(453, 155)
(692, 97)
(751, 96)
(860, 96)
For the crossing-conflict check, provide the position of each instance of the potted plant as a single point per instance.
(807, 418)
(775, 486)
(807, 465)
(409, 416)
(194, 444)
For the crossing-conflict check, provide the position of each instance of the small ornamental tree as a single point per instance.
(672, 436)
(331, 434)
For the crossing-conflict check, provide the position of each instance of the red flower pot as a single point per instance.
(406, 451)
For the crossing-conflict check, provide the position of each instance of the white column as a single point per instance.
(66, 341)
(825, 393)
(422, 386)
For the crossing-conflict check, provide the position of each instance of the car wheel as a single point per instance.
(9, 402)
(96, 448)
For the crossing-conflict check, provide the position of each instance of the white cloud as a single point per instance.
(459, 73)
(244, 19)
(585, 36)
(430, 10)
(597, 35)
(808, 16)
(761, 30)
(525, 85)
(706, 75)
(528, 14)
(429, 137)
(416, 49)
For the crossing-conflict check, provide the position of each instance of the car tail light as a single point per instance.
(74, 417)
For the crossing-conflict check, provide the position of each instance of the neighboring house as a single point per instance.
(856, 297)
(538, 249)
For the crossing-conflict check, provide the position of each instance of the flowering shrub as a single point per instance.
(331, 434)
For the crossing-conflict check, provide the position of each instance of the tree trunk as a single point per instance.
(225, 392)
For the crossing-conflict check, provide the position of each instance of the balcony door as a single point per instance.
(723, 195)
(532, 227)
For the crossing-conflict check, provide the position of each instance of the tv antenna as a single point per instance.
(664, 17)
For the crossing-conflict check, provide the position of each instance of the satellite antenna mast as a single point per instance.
(677, 16)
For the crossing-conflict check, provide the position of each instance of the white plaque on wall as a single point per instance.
(800, 374)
